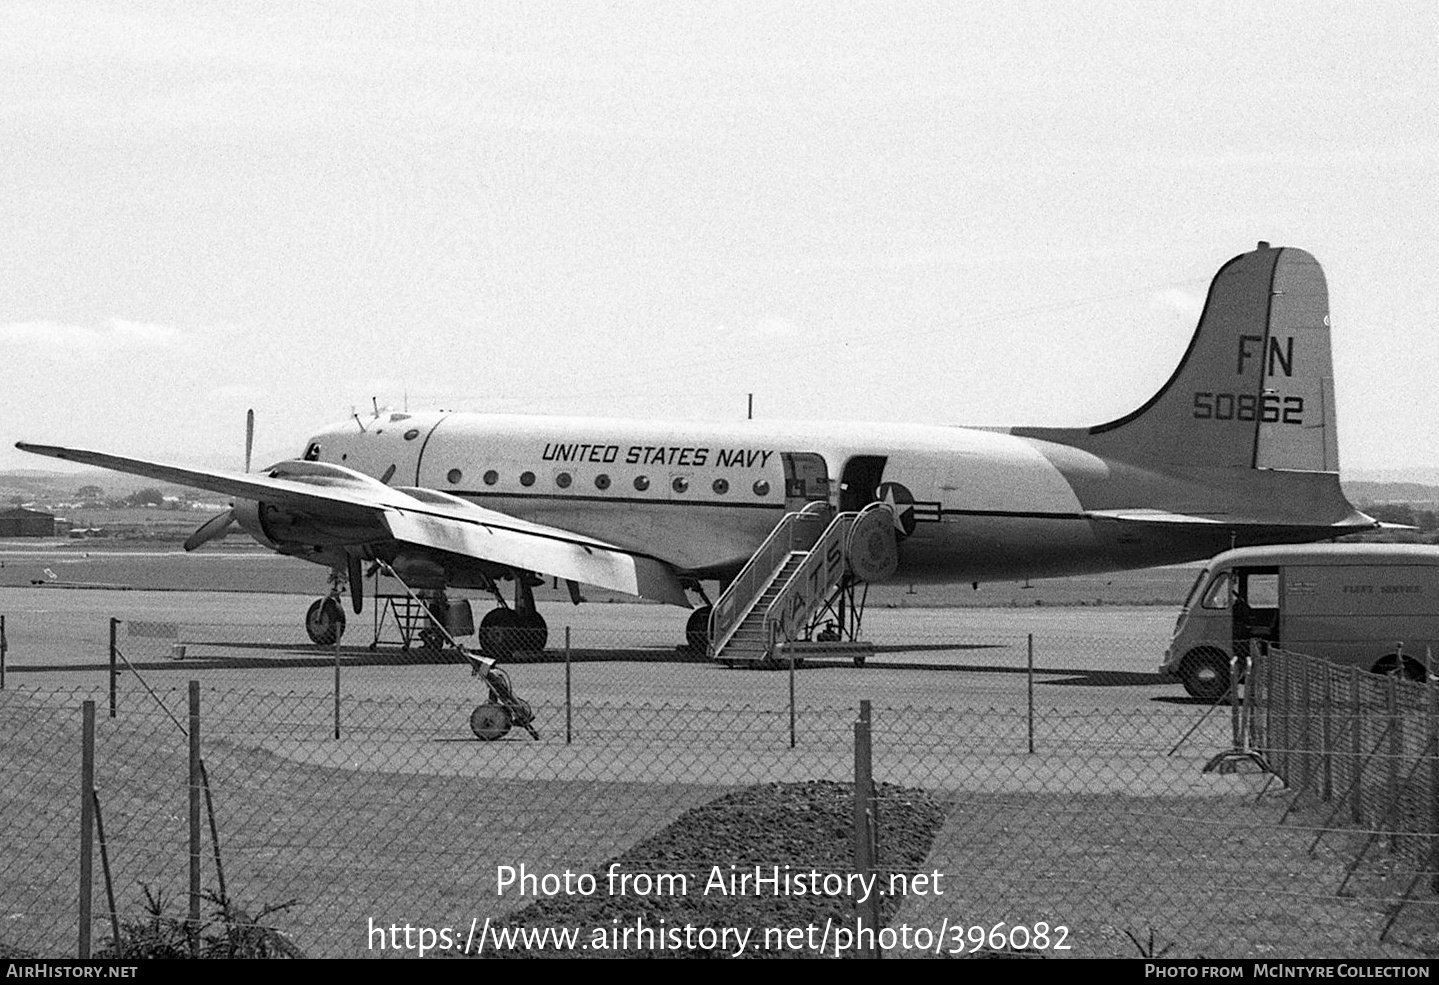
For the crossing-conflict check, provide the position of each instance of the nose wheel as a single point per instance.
(325, 622)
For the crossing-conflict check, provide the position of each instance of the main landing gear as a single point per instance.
(505, 632)
(509, 630)
(697, 631)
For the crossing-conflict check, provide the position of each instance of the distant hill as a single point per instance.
(1425, 475)
(1391, 492)
(43, 486)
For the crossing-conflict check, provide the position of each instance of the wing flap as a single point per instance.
(533, 550)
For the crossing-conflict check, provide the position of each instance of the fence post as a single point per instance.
(1326, 737)
(114, 661)
(87, 823)
(194, 924)
(1434, 787)
(1029, 675)
(3, 647)
(1356, 748)
(1396, 753)
(337, 686)
(1234, 697)
(791, 700)
(864, 833)
(1285, 724)
(569, 722)
(1306, 736)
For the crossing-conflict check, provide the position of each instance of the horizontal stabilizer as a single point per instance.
(1355, 523)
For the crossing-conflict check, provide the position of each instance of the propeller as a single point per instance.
(219, 525)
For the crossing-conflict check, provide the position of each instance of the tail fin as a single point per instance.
(1255, 389)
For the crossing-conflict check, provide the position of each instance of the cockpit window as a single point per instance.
(312, 452)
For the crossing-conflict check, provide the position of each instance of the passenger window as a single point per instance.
(1218, 595)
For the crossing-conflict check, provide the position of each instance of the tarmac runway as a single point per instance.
(1090, 658)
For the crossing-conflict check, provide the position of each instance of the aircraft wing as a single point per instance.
(336, 495)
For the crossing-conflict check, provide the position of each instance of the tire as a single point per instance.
(1205, 674)
(532, 633)
(325, 622)
(697, 630)
(489, 722)
(499, 633)
(1406, 668)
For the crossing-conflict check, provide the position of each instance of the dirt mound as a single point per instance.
(776, 856)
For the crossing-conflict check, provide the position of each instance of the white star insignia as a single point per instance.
(897, 509)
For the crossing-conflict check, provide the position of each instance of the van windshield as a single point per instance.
(1194, 589)
(1217, 597)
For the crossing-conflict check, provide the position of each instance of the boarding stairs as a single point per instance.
(807, 567)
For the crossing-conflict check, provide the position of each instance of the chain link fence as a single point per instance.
(1060, 812)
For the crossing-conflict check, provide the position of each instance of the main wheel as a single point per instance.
(532, 633)
(697, 629)
(1205, 674)
(499, 631)
(489, 722)
(325, 622)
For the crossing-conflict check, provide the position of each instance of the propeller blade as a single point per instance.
(249, 436)
(212, 529)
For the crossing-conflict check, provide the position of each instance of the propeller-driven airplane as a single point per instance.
(1237, 448)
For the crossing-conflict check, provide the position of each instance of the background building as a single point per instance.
(16, 521)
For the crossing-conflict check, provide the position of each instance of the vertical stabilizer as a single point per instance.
(1255, 388)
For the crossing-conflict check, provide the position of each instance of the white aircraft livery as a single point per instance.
(1236, 448)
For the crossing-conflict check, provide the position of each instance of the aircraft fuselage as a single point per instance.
(971, 504)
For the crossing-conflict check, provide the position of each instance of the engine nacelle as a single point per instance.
(288, 531)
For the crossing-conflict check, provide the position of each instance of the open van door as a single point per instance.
(1255, 608)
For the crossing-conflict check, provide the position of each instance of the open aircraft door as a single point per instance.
(806, 479)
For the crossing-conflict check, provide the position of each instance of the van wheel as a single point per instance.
(1405, 667)
(1205, 674)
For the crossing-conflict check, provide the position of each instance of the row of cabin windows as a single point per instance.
(564, 480)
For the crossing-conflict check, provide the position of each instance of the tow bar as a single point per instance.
(493, 719)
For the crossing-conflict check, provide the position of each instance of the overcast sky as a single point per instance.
(983, 213)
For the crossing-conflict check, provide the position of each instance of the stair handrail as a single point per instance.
(825, 566)
(733, 603)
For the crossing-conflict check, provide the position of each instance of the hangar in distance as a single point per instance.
(1236, 448)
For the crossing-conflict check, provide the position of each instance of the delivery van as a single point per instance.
(1371, 605)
